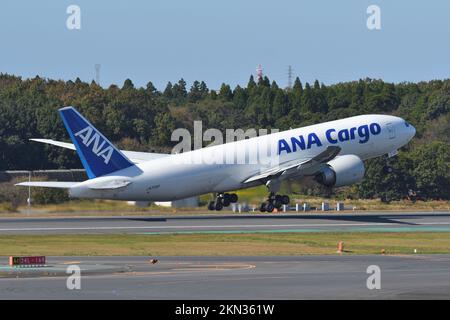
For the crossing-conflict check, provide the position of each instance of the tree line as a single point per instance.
(143, 118)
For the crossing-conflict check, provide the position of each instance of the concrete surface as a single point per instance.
(305, 277)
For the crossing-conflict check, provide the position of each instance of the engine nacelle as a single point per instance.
(342, 171)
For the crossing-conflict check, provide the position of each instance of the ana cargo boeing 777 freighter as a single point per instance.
(331, 152)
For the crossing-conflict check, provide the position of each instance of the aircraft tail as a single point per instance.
(97, 154)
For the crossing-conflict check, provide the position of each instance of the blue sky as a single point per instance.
(224, 41)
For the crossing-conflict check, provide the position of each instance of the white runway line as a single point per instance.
(220, 226)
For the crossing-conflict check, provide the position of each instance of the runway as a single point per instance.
(304, 277)
(283, 277)
(376, 222)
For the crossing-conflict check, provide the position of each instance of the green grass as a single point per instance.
(259, 244)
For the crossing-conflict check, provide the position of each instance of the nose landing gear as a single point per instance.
(274, 201)
(222, 200)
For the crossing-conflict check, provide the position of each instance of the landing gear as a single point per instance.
(274, 201)
(222, 200)
(218, 206)
(270, 207)
(233, 197)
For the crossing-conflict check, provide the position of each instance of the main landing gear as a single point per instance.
(222, 200)
(274, 201)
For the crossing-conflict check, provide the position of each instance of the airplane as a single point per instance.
(331, 152)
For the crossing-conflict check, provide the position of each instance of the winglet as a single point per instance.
(98, 155)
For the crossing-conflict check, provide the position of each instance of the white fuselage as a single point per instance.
(202, 171)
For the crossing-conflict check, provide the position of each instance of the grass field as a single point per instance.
(225, 244)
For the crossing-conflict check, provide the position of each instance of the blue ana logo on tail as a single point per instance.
(89, 136)
(97, 154)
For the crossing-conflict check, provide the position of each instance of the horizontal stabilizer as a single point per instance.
(48, 184)
(56, 143)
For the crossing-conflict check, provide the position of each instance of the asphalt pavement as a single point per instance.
(296, 277)
(375, 221)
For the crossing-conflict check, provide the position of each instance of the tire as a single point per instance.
(278, 198)
(226, 196)
(211, 206)
(270, 207)
(278, 204)
(233, 198)
(218, 206)
(262, 208)
(285, 200)
(226, 202)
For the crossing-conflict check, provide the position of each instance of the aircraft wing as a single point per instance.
(135, 156)
(300, 167)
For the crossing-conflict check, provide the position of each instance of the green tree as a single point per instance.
(307, 100)
(164, 126)
(168, 93)
(195, 92)
(127, 85)
(179, 91)
(431, 169)
(225, 92)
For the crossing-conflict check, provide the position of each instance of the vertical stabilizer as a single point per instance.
(98, 155)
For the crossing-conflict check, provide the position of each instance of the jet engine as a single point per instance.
(341, 171)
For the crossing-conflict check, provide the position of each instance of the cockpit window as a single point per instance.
(407, 123)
